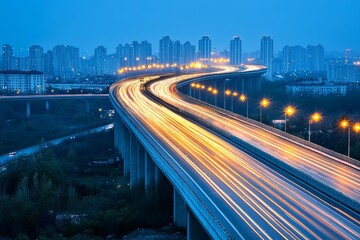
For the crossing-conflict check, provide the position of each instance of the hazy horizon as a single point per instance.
(91, 23)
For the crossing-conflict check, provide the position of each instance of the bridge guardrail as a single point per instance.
(294, 139)
(184, 188)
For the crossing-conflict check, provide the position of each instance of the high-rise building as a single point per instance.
(295, 59)
(340, 71)
(205, 49)
(267, 53)
(120, 54)
(235, 51)
(48, 63)
(177, 53)
(65, 61)
(189, 53)
(100, 55)
(315, 58)
(166, 50)
(111, 65)
(36, 58)
(36, 51)
(134, 58)
(7, 55)
(277, 65)
(145, 52)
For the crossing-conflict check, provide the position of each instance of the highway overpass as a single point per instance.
(31, 98)
(221, 188)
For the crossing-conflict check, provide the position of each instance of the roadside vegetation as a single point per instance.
(76, 191)
(64, 118)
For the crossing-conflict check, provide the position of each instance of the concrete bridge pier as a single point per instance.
(158, 178)
(134, 158)
(28, 110)
(179, 211)
(149, 173)
(141, 166)
(125, 150)
(117, 132)
(87, 106)
(195, 230)
(47, 106)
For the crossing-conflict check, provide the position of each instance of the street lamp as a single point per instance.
(316, 117)
(356, 127)
(289, 111)
(346, 124)
(192, 85)
(202, 87)
(264, 103)
(198, 86)
(208, 90)
(227, 93)
(215, 92)
(243, 98)
(234, 94)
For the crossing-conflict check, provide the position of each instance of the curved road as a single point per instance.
(319, 166)
(251, 200)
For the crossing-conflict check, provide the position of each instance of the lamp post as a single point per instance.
(234, 94)
(356, 127)
(289, 111)
(198, 86)
(226, 93)
(243, 98)
(208, 90)
(202, 87)
(264, 103)
(215, 92)
(346, 124)
(316, 117)
(192, 85)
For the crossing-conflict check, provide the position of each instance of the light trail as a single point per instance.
(257, 201)
(320, 167)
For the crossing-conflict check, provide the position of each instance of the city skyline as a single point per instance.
(46, 25)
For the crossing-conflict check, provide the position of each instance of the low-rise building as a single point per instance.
(317, 87)
(28, 82)
(80, 86)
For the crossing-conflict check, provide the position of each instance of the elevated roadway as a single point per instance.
(327, 171)
(232, 194)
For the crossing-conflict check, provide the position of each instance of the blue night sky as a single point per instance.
(90, 23)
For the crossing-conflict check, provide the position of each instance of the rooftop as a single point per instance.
(21, 72)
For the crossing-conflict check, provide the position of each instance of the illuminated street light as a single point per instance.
(215, 92)
(289, 111)
(346, 124)
(316, 117)
(234, 94)
(227, 93)
(356, 127)
(263, 104)
(192, 85)
(243, 98)
(209, 90)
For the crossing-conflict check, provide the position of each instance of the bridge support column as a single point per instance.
(194, 229)
(141, 166)
(149, 173)
(179, 211)
(125, 149)
(28, 110)
(117, 132)
(134, 160)
(158, 178)
(47, 106)
(87, 106)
